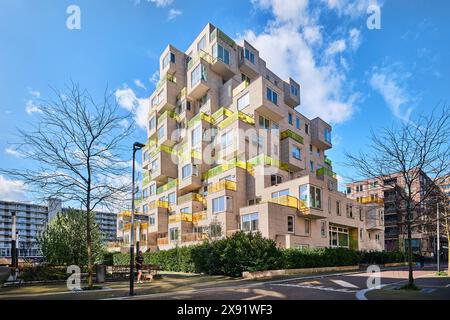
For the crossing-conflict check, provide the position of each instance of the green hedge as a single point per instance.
(252, 252)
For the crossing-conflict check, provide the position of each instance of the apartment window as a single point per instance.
(145, 193)
(359, 188)
(307, 226)
(196, 136)
(152, 189)
(264, 123)
(154, 165)
(250, 222)
(311, 166)
(186, 171)
(151, 219)
(290, 119)
(227, 139)
(361, 218)
(249, 55)
(173, 233)
(290, 224)
(170, 57)
(329, 205)
(243, 101)
(275, 179)
(297, 123)
(361, 234)
(323, 229)
(310, 149)
(185, 210)
(349, 190)
(272, 96)
(145, 155)
(306, 128)
(280, 193)
(202, 101)
(296, 153)
(221, 53)
(145, 209)
(172, 198)
(294, 90)
(339, 237)
(315, 197)
(161, 132)
(201, 45)
(327, 135)
(199, 73)
(318, 153)
(218, 205)
(152, 123)
(349, 209)
(275, 128)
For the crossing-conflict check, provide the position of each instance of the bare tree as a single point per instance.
(77, 147)
(419, 152)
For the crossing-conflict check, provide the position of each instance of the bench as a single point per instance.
(119, 271)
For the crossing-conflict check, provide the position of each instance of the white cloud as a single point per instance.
(13, 152)
(127, 99)
(161, 3)
(351, 8)
(31, 107)
(293, 45)
(34, 93)
(154, 78)
(139, 84)
(173, 13)
(11, 190)
(388, 83)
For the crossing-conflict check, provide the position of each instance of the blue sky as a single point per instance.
(353, 77)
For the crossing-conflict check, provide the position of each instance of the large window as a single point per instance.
(196, 136)
(161, 132)
(170, 57)
(272, 95)
(315, 197)
(290, 224)
(145, 209)
(199, 73)
(226, 139)
(294, 90)
(290, 118)
(249, 222)
(145, 193)
(173, 233)
(221, 53)
(152, 123)
(264, 123)
(307, 226)
(275, 179)
(243, 101)
(296, 153)
(327, 135)
(297, 123)
(249, 55)
(151, 219)
(154, 165)
(201, 45)
(323, 230)
(172, 198)
(339, 237)
(186, 171)
(280, 193)
(349, 209)
(218, 205)
(152, 189)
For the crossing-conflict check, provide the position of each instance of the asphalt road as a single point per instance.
(325, 287)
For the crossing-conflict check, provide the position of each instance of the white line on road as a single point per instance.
(344, 284)
(323, 288)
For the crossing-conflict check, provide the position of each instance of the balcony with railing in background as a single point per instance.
(222, 185)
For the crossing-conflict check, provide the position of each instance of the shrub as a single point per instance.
(317, 258)
(44, 273)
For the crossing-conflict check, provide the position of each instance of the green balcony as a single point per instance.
(167, 186)
(291, 134)
(325, 171)
(167, 77)
(217, 33)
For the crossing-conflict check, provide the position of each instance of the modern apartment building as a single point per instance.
(31, 219)
(387, 190)
(444, 184)
(227, 150)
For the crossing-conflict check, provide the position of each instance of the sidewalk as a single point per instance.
(432, 287)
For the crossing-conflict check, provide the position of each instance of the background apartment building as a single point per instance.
(387, 191)
(228, 151)
(32, 219)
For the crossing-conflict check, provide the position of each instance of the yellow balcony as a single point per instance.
(162, 241)
(159, 204)
(240, 88)
(290, 201)
(191, 237)
(222, 185)
(371, 200)
(198, 216)
(180, 217)
(191, 197)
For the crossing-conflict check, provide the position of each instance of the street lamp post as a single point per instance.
(136, 146)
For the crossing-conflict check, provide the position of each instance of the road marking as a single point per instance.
(310, 282)
(323, 288)
(344, 284)
(448, 286)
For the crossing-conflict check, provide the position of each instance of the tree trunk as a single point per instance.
(447, 228)
(410, 258)
(88, 238)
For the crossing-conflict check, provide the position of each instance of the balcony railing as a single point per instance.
(217, 33)
(290, 201)
(191, 197)
(239, 115)
(169, 77)
(159, 204)
(328, 161)
(291, 134)
(240, 88)
(190, 237)
(201, 55)
(224, 167)
(180, 217)
(169, 113)
(167, 186)
(163, 148)
(198, 117)
(222, 185)
(370, 200)
(326, 171)
(266, 160)
(162, 241)
(198, 216)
